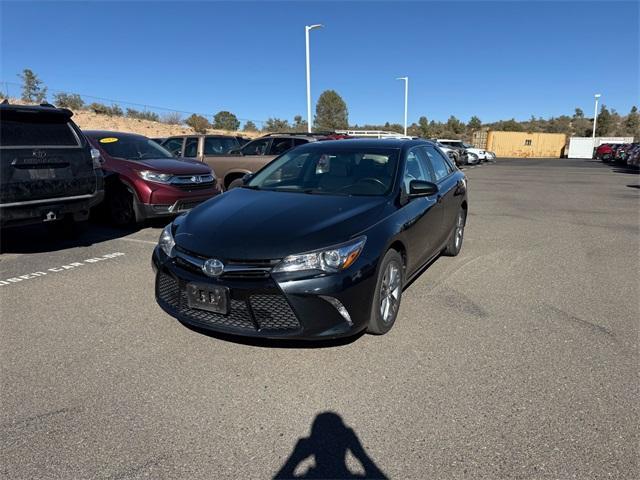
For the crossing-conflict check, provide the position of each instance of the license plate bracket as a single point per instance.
(212, 298)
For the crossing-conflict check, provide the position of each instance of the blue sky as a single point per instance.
(497, 60)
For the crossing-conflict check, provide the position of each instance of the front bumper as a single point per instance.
(271, 305)
(155, 210)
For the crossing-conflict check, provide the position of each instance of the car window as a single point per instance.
(219, 145)
(130, 147)
(415, 168)
(440, 167)
(279, 146)
(256, 147)
(36, 133)
(191, 147)
(330, 171)
(299, 141)
(174, 145)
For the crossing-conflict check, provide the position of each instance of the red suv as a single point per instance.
(143, 179)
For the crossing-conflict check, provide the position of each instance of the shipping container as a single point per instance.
(526, 144)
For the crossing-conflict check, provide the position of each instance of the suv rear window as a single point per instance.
(15, 133)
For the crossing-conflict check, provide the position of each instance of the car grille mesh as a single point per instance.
(194, 186)
(263, 312)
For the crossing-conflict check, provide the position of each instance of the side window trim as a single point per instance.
(433, 170)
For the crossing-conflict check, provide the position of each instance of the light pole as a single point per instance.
(307, 29)
(406, 100)
(595, 119)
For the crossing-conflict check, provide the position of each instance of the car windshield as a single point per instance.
(329, 171)
(132, 147)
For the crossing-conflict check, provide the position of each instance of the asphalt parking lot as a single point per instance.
(516, 359)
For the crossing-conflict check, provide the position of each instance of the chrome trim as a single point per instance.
(337, 304)
(48, 200)
(228, 268)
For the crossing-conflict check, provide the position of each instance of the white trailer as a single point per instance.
(583, 147)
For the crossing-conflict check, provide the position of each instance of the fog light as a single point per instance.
(338, 306)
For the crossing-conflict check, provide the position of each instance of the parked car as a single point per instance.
(199, 147)
(251, 157)
(604, 152)
(317, 244)
(633, 158)
(48, 170)
(452, 153)
(143, 180)
(483, 155)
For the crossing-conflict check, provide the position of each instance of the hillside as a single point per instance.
(88, 120)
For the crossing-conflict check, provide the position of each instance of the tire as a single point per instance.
(384, 314)
(120, 207)
(454, 244)
(235, 184)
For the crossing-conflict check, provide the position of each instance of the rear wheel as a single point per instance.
(388, 293)
(454, 245)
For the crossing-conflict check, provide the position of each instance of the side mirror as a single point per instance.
(422, 188)
(247, 178)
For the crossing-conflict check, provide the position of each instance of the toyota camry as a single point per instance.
(317, 244)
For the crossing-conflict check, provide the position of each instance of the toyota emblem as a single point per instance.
(213, 267)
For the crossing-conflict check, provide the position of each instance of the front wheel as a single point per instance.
(388, 293)
(454, 245)
(238, 182)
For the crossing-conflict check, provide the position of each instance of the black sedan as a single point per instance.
(317, 244)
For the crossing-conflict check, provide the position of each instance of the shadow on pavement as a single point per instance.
(274, 343)
(48, 238)
(328, 444)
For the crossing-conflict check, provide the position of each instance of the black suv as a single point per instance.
(48, 170)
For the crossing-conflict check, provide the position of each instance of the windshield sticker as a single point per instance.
(108, 140)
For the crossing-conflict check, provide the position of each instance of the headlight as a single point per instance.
(155, 176)
(332, 259)
(166, 241)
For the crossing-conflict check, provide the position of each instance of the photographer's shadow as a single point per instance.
(328, 444)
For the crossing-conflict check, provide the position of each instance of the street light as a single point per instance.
(307, 29)
(406, 100)
(595, 119)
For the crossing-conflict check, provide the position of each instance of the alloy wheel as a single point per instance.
(390, 292)
(459, 233)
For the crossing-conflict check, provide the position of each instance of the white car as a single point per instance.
(482, 155)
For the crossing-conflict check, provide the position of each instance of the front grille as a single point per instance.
(264, 312)
(272, 312)
(194, 186)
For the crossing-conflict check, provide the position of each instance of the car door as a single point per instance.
(448, 187)
(191, 148)
(422, 215)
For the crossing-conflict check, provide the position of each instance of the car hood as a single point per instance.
(171, 165)
(477, 151)
(245, 224)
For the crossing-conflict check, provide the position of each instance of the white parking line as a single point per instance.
(138, 240)
(61, 268)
